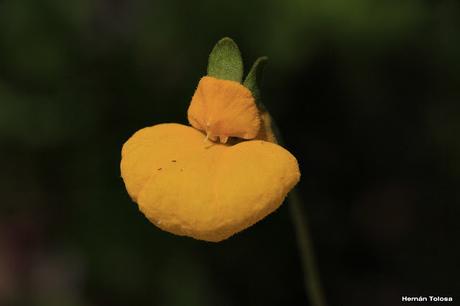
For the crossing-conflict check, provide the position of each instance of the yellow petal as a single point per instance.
(224, 108)
(152, 149)
(206, 191)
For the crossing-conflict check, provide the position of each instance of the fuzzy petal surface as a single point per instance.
(223, 108)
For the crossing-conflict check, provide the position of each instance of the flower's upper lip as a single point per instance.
(224, 109)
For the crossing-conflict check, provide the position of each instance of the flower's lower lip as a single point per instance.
(207, 192)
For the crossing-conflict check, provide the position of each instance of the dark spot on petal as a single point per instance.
(173, 161)
(181, 169)
(159, 169)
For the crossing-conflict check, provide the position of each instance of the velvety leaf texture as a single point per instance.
(225, 61)
(254, 77)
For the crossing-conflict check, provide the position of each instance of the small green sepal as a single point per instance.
(254, 77)
(225, 61)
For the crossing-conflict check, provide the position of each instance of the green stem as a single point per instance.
(312, 282)
(311, 277)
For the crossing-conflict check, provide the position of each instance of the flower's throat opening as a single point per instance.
(214, 138)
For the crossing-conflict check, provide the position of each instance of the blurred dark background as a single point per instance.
(366, 93)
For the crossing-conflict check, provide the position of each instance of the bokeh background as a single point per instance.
(366, 93)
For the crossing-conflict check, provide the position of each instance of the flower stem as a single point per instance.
(311, 277)
(312, 282)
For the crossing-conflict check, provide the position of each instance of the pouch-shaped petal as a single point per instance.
(204, 190)
(223, 108)
(151, 149)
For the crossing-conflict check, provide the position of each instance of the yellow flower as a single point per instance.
(187, 184)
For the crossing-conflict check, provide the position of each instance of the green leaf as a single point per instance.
(225, 61)
(254, 77)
